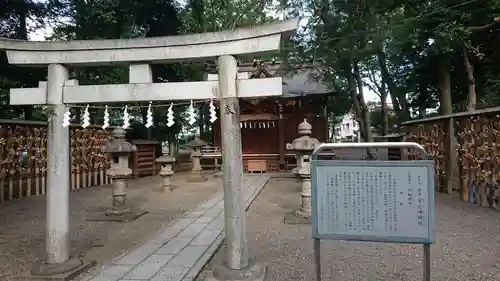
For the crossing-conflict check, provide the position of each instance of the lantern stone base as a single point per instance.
(298, 217)
(111, 215)
(254, 272)
(68, 270)
(166, 188)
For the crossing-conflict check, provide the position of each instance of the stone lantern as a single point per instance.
(119, 172)
(166, 171)
(304, 145)
(196, 145)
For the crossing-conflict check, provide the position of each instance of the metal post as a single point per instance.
(427, 262)
(317, 258)
(58, 169)
(234, 205)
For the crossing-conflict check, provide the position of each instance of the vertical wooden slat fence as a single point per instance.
(477, 153)
(23, 158)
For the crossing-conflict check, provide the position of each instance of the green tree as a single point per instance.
(17, 20)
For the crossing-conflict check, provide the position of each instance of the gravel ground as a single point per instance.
(22, 223)
(467, 244)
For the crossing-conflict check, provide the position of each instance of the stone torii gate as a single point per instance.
(139, 54)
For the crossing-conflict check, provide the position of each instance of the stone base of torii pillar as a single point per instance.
(255, 271)
(65, 271)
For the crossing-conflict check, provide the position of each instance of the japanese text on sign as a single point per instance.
(373, 202)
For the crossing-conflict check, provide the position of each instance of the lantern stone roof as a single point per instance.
(197, 142)
(118, 144)
(305, 128)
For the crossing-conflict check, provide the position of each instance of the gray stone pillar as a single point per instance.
(58, 262)
(234, 206)
(236, 265)
(58, 169)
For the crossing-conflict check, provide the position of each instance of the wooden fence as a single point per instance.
(466, 162)
(23, 158)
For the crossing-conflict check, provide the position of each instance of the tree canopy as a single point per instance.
(418, 55)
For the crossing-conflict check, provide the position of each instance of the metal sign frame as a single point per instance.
(375, 163)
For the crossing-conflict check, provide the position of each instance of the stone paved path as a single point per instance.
(181, 250)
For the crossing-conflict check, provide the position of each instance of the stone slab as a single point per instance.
(170, 274)
(112, 273)
(188, 256)
(148, 268)
(174, 246)
(138, 255)
(66, 276)
(192, 230)
(118, 218)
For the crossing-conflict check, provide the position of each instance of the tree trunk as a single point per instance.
(471, 82)
(422, 112)
(365, 114)
(450, 153)
(362, 113)
(351, 84)
(22, 33)
(385, 113)
(201, 119)
(444, 86)
(399, 102)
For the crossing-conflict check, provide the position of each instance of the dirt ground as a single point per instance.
(467, 244)
(22, 223)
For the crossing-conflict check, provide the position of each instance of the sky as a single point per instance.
(40, 34)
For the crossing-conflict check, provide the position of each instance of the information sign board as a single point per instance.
(383, 201)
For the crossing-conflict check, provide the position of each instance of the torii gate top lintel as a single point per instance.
(252, 40)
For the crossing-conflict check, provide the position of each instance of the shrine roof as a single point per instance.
(298, 80)
(302, 83)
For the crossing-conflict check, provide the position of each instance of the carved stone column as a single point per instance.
(305, 195)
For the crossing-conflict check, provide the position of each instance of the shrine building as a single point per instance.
(268, 124)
